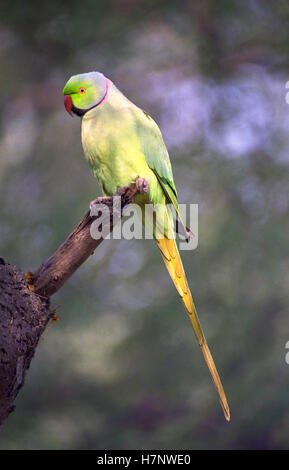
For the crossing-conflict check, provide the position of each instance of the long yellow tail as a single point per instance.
(174, 265)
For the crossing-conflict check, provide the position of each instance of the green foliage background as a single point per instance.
(121, 369)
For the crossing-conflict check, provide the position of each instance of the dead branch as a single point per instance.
(24, 300)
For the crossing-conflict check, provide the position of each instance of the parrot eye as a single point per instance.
(82, 90)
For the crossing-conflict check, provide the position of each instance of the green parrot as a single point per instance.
(122, 145)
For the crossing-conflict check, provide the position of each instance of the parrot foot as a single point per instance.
(100, 200)
(29, 277)
(142, 185)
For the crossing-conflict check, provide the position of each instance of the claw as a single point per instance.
(142, 185)
(99, 200)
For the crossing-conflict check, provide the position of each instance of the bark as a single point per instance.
(23, 317)
(24, 308)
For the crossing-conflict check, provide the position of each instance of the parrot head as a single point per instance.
(84, 92)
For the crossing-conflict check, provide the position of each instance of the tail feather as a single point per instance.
(172, 259)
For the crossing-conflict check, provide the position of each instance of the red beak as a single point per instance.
(68, 104)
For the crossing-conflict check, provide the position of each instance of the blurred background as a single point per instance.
(121, 369)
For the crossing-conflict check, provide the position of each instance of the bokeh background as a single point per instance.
(122, 369)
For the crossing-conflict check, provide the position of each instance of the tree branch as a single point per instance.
(79, 245)
(24, 300)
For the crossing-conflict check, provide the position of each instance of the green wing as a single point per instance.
(156, 155)
(158, 160)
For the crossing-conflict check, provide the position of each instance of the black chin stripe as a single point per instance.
(78, 111)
